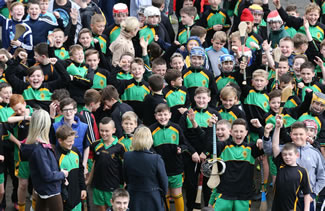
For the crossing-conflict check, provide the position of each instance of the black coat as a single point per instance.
(146, 180)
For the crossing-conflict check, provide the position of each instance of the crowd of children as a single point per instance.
(101, 70)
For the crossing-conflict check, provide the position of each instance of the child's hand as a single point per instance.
(15, 43)
(182, 48)
(319, 61)
(143, 43)
(22, 55)
(95, 41)
(191, 115)
(56, 15)
(256, 123)
(259, 143)
(177, 43)
(2, 158)
(277, 4)
(217, 27)
(156, 38)
(267, 129)
(179, 150)
(306, 24)
(182, 110)
(83, 194)
(203, 157)
(65, 172)
(310, 140)
(242, 65)
(3, 58)
(53, 60)
(279, 122)
(254, 45)
(74, 16)
(266, 46)
(195, 157)
(213, 120)
(301, 85)
(50, 38)
(235, 49)
(53, 107)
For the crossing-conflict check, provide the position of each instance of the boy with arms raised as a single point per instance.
(106, 173)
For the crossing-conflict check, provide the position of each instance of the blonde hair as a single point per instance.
(142, 139)
(311, 7)
(130, 115)
(220, 35)
(228, 92)
(130, 24)
(260, 73)
(39, 127)
(97, 18)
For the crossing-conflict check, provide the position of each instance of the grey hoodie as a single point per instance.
(309, 158)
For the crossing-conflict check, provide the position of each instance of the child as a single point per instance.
(101, 75)
(290, 179)
(260, 26)
(120, 12)
(169, 142)
(120, 200)
(300, 44)
(125, 66)
(17, 12)
(159, 66)
(216, 50)
(215, 19)
(106, 173)
(153, 26)
(297, 62)
(236, 184)
(82, 140)
(177, 62)
(188, 15)
(97, 28)
(44, 5)
(227, 110)
(176, 94)
(223, 130)
(316, 27)
(129, 124)
(69, 158)
(283, 68)
(291, 10)
(277, 29)
(201, 33)
(132, 91)
(285, 81)
(80, 73)
(256, 101)
(197, 76)
(156, 97)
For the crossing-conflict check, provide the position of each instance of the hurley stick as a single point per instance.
(263, 205)
(19, 30)
(242, 31)
(277, 56)
(214, 179)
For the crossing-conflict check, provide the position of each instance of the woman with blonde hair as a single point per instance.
(44, 170)
(145, 174)
(123, 43)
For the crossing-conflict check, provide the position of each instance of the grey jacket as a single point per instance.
(309, 158)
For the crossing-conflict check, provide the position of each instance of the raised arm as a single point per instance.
(276, 136)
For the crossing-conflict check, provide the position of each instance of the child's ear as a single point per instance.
(65, 38)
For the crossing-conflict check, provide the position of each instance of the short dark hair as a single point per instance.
(297, 125)
(158, 3)
(92, 96)
(290, 146)
(107, 120)
(64, 132)
(161, 107)
(33, 69)
(286, 78)
(307, 65)
(156, 82)
(67, 101)
(291, 7)
(109, 93)
(239, 121)
(275, 93)
(42, 49)
(60, 94)
(201, 90)
(120, 192)
(172, 75)
(158, 61)
(198, 31)
(190, 11)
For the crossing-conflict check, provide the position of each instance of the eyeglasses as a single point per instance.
(68, 109)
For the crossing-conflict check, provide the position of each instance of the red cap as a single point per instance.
(247, 15)
(310, 124)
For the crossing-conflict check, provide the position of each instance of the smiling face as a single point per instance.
(286, 47)
(290, 157)
(312, 17)
(217, 44)
(106, 131)
(307, 75)
(177, 63)
(137, 71)
(34, 11)
(93, 61)
(202, 100)
(98, 28)
(299, 136)
(5, 94)
(317, 108)
(296, 66)
(59, 39)
(78, 56)
(222, 132)
(67, 143)
(18, 12)
(19, 109)
(69, 111)
(120, 203)
(229, 102)
(129, 125)
(275, 25)
(259, 83)
(238, 133)
(197, 61)
(275, 104)
(163, 117)
(283, 68)
(85, 40)
(160, 69)
(227, 66)
(36, 79)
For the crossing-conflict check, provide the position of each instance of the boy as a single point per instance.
(300, 44)
(100, 75)
(228, 110)
(291, 9)
(17, 12)
(97, 28)
(69, 159)
(176, 94)
(125, 66)
(216, 50)
(81, 75)
(260, 26)
(154, 98)
(106, 173)
(309, 158)
(277, 31)
(215, 19)
(201, 33)
(129, 124)
(177, 62)
(197, 76)
(169, 142)
(187, 17)
(297, 62)
(236, 184)
(283, 68)
(132, 91)
(68, 106)
(44, 5)
(159, 66)
(290, 179)
(120, 200)
(120, 12)
(223, 130)
(193, 122)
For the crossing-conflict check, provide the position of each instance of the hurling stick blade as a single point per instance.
(286, 93)
(277, 55)
(242, 29)
(20, 30)
(197, 205)
(214, 179)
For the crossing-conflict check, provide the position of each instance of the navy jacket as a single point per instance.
(44, 169)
